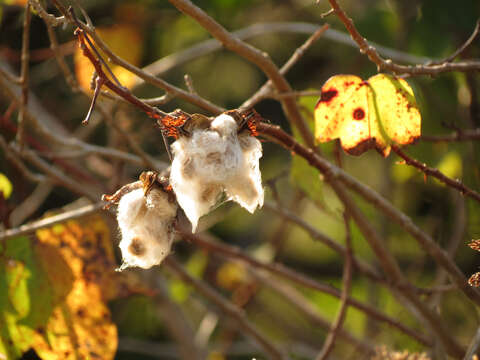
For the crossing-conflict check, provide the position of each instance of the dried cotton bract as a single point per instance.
(146, 225)
(213, 160)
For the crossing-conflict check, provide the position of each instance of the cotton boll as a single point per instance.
(146, 225)
(194, 195)
(246, 189)
(215, 160)
(225, 125)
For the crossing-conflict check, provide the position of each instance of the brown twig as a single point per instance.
(455, 184)
(173, 90)
(265, 90)
(18, 163)
(297, 299)
(147, 159)
(257, 57)
(463, 135)
(227, 308)
(383, 205)
(299, 279)
(389, 264)
(347, 281)
(317, 235)
(189, 82)
(52, 220)
(51, 21)
(24, 74)
(462, 48)
(169, 62)
(388, 64)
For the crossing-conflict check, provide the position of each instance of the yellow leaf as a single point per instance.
(367, 114)
(80, 327)
(125, 40)
(5, 186)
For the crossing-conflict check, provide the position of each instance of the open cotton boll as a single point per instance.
(213, 160)
(225, 125)
(194, 195)
(246, 189)
(146, 226)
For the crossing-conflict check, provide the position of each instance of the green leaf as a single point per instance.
(26, 297)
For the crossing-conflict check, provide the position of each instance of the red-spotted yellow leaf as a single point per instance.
(367, 114)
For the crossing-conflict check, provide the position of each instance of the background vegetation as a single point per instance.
(65, 272)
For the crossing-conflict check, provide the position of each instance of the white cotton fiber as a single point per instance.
(211, 161)
(146, 226)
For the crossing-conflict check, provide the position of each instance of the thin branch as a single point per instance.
(455, 184)
(51, 220)
(174, 318)
(299, 279)
(227, 308)
(58, 176)
(10, 77)
(297, 299)
(388, 262)
(31, 204)
(342, 312)
(169, 62)
(383, 205)
(24, 74)
(463, 135)
(11, 155)
(358, 264)
(257, 57)
(149, 78)
(462, 48)
(189, 83)
(265, 90)
(48, 127)
(51, 21)
(147, 159)
(388, 64)
(392, 270)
